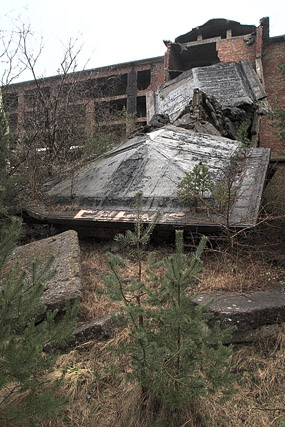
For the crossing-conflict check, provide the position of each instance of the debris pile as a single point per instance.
(204, 114)
(216, 100)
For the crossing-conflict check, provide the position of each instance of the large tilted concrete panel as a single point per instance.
(232, 84)
(66, 283)
(155, 163)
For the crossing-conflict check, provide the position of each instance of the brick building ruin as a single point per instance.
(124, 86)
(207, 84)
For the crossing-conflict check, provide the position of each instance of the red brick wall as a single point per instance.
(259, 41)
(274, 55)
(235, 49)
(157, 75)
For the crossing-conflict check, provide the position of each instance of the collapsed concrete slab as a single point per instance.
(204, 114)
(66, 284)
(96, 330)
(188, 120)
(232, 84)
(155, 163)
(220, 99)
(256, 315)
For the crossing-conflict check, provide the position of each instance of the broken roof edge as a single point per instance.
(250, 77)
(172, 97)
(246, 70)
(251, 188)
(214, 25)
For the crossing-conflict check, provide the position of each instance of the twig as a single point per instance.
(269, 409)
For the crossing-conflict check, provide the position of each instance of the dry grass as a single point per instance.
(247, 271)
(243, 273)
(260, 397)
(102, 397)
(93, 265)
(95, 380)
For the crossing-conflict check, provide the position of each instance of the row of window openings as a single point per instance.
(96, 88)
(109, 109)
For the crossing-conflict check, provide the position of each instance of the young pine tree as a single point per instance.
(174, 356)
(194, 185)
(24, 390)
(24, 364)
(23, 338)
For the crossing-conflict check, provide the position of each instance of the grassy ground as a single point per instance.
(251, 267)
(108, 399)
(101, 396)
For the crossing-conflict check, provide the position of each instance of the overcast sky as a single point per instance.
(113, 31)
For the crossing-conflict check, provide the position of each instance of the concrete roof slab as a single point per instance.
(155, 163)
(232, 84)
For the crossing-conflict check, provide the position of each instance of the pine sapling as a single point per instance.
(195, 185)
(26, 330)
(175, 357)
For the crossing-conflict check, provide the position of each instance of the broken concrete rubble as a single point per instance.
(232, 84)
(255, 314)
(66, 284)
(225, 95)
(203, 115)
